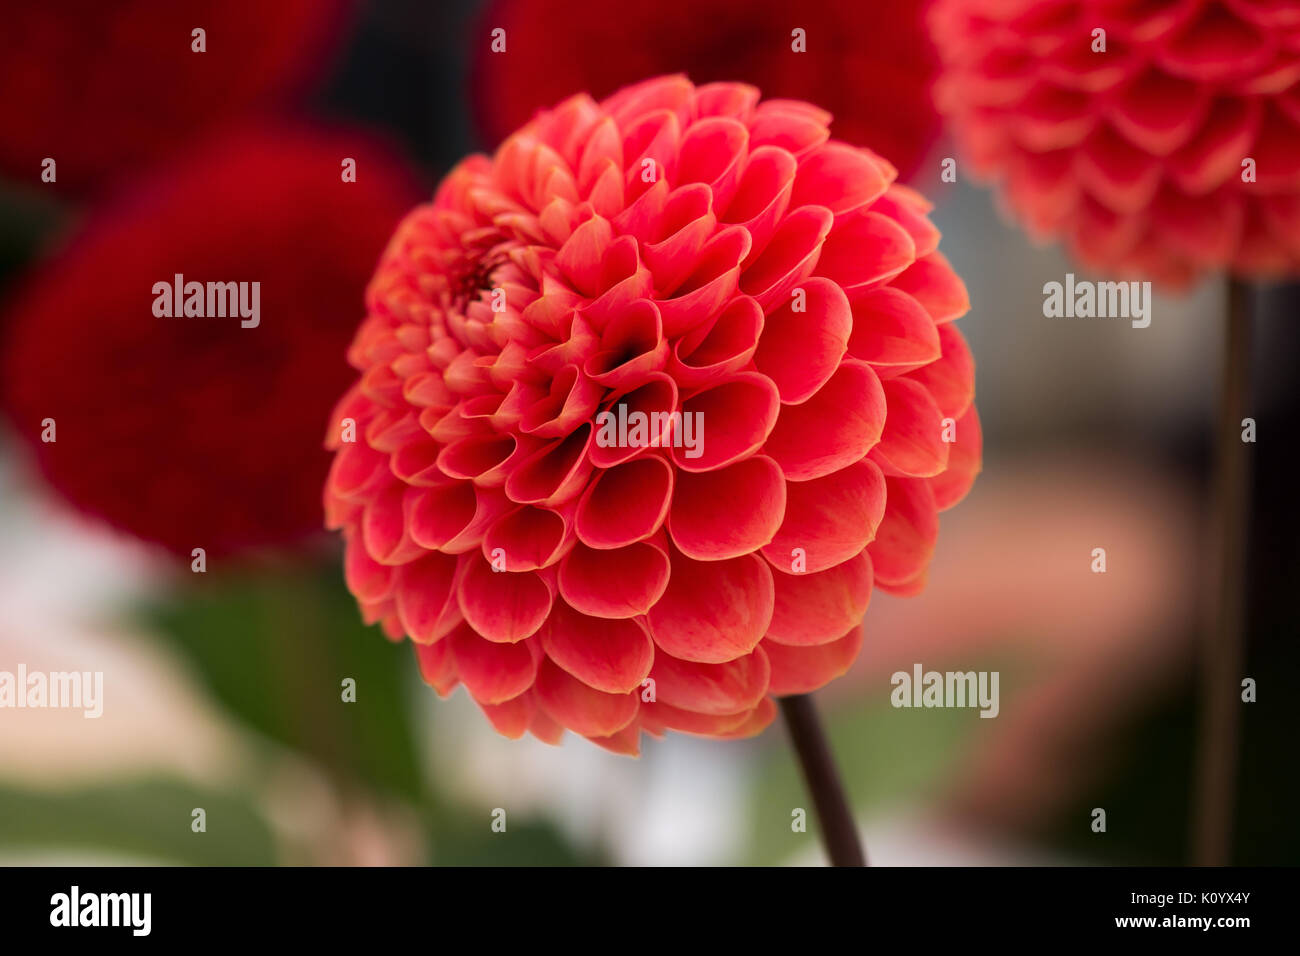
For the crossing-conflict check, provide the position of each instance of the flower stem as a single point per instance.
(1223, 653)
(839, 831)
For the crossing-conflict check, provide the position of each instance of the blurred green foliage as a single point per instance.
(274, 647)
(147, 821)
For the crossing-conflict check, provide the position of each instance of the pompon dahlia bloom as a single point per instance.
(672, 249)
(1135, 155)
(101, 87)
(198, 432)
(870, 64)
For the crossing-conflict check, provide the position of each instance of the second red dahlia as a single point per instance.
(1159, 138)
(770, 307)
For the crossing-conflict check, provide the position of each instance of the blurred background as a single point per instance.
(222, 689)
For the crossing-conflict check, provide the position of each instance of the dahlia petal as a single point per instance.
(829, 519)
(656, 400)
(840, 177)
(604, 147)
(668, 717)
(393, 429)
(727, 512)
(631, 103)
(527, 539)
(606, 654)
(1204, 229)
(792, 130)
(1275, 152)
(909, 210)
(755, 723)
(437, 666)
(715, 351)
(964, 462)
(834, 428)
(1053, 117)
(481, 459)
(501, 606)
(542, 725)
(762, 196)
(383, 528)
(800, 350)
(626, 503)
(1215, 153)
(357, 470)
(710, 286)
(454, 517)
(625, 743)
(654, 143)
(891, 329)
(685, 225)
(583, 253)
(632, 346)
(618, 583)
(491, 671)
(713, 152)
(1117, 174)
(951, 379)
(933, 283)
(802, 670)
(820, 607)
(580, 708)
(865, 249)
(366, 578)
(555, 474)
(726, 99)
(416, 464)
(789, 257)
(510, 718)
(735, 419)
(713, 611)
(572, 399)
(912, 442)
(1159, 112)
(717, 689)
(906, 536)
(1214, 45)
(426, 597)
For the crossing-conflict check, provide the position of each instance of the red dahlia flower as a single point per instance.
(678, 250)
(1135, 154)
(870, 64)
(99, 87)
(198, 432)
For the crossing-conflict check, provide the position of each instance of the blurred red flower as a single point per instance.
(869, 64)
(1135, 153)
(102, 87)
(776, 309)
(199, 432)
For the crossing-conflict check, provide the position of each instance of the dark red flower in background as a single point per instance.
(1134, 153)
(868, 63)
(102, 87)
(198, 432)
(671, 251)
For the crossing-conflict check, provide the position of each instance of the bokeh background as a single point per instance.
(222, 690)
